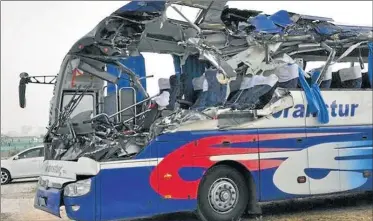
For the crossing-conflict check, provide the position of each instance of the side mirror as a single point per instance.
(16, 158)
(22, 89)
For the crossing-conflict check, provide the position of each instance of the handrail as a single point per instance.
(129, 107)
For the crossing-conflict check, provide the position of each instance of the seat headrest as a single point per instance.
(164, 84)
(270, 80)
(284, 73)
(287, 72)
(256, 80)
(198, 83)
(350, 73)
(163, 100)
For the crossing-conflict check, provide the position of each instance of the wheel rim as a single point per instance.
(223, 195)
(4, 177)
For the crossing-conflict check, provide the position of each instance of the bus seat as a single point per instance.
(197, 87)
(149, 118)
(365, 81)
(291, 84)
(255, 92)
(326, 83)
(336, 81)
(164, 85)
(245, 84)
(213, 93)
(163, 99)
(174, 92)
(186, 102)
(186, 93)
(349, 78)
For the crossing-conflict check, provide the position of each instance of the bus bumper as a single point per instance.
(80, 208)
(48, 200)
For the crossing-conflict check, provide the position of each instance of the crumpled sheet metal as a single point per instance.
(171, 123)
(253, 57)
(212, 54)
(219, 36)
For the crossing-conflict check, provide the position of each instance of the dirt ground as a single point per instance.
(17, 205)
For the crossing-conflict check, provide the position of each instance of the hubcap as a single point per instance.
(223, 195)
(4, 177)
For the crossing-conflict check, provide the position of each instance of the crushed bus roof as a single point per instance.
(217, 34)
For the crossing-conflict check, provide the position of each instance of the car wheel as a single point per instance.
(223, 195)
(5, 177)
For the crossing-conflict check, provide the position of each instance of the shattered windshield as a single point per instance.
(232, 67)
(86, 104)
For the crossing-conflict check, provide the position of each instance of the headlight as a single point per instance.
(79, 188)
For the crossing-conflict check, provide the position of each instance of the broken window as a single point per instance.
(85, 105)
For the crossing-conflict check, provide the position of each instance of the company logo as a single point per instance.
(329, 167)
(334, 109)
(53, 169)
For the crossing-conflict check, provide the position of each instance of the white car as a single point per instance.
(26, 164)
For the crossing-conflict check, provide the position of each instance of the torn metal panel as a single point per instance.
(281, 100)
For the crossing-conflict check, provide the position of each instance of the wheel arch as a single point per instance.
(253, 206)
(4, 168)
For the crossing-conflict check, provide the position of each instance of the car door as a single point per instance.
(27, 163)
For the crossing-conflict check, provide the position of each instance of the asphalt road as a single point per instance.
(17, 205)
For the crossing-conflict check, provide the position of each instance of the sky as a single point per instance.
(35, 37)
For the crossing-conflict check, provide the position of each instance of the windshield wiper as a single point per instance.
(65, 114)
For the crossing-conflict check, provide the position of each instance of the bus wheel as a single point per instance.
(223, 195)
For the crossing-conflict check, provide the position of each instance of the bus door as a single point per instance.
(282, 153)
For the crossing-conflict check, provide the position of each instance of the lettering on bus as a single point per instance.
(335, 110)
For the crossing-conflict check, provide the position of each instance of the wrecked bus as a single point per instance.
(239, 123)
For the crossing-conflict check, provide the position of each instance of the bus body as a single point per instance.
(220, 162)
(275, 153)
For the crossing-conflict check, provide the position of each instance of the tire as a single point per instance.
(223, 195)
(5, 176)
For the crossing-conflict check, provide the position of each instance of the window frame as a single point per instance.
(70, 92)
(30, 150)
